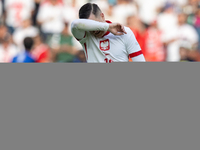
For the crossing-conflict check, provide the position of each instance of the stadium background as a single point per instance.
(167, 30)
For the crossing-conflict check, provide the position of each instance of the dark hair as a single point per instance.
(86, 10)
(28, 43)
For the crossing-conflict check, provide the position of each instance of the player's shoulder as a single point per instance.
(129, 32)
(130, 36)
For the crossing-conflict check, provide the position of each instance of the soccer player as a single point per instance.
(104, 41)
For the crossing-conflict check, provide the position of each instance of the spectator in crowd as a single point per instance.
(187, 53)
(3, 32)
(7, 49)
(51, 17)
(1, 12)
(25, 30)
(123, 9)
(80, 57)
(139, 29)
(35, 13)
(191, 7)
(109, 13)
(76, 3)
(70, 11)
(168, 24)
(112, 2)
(149, 9)
(25, 56)
(103, 4)
(154, 48)
(66, 50)
(167, 21)
(196, 24)
(41, 51)
(17, 11)
(183, 33)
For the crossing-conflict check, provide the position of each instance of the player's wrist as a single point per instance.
(109, 27)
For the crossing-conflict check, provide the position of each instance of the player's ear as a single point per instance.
(103, 16)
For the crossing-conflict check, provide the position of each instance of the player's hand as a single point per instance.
(116, 29)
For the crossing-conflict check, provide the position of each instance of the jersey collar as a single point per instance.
(107, 31)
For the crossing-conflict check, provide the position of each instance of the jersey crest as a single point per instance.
(105, 45)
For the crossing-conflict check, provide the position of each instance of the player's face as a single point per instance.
(100, 18)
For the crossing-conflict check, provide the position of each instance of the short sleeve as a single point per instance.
(132, 45)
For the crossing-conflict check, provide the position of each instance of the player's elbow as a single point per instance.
(75, 24)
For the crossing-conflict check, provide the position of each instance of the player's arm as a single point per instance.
(137, 57)
(80, 26)
(133, 47)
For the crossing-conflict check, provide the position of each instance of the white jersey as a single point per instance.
(17, 11)
(109, 48)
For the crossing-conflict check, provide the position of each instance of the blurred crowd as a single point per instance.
(39, 30)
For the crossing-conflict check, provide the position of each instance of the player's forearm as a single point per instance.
(89, 25)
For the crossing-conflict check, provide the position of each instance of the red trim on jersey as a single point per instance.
(108, 21)
(107, 31)
(135, 54)
(86, 50)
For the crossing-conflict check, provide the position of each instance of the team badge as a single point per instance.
(105, 45)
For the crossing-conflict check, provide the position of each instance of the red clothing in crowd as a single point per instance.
(140, 38)
(41, 53)
(154, 49)
(47, 1)
(151, 44)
